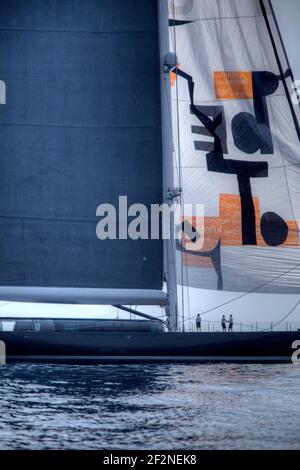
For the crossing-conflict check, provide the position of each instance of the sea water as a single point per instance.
(213, 406)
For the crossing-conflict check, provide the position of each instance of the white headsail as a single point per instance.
(236, 131)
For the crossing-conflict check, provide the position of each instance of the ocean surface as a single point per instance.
(150, 407)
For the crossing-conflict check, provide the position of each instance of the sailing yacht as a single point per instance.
(178, 102)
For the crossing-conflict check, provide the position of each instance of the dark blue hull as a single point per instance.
(103, 347)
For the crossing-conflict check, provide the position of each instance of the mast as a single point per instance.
(168, 172)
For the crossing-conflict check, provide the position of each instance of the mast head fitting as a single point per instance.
(170, 62)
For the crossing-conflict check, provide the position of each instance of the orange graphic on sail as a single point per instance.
(227, 228)
(233, 85)
(173, 77)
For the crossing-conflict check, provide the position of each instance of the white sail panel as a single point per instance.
(191, 10)
(237, 133)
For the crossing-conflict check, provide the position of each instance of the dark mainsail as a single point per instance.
(81, 126)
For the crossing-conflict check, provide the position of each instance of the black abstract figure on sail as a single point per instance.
(214, 255)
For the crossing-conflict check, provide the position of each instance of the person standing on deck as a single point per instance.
(198, 322)
(223, 323)
(230, 328)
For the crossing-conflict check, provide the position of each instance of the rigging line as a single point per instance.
(265, 15)
(252, 291)
(180, 171)
(285, 317)
(175, 154)
(177, 105)
(284, 166)
(221, 30)
(188, 290)
(164, 163)
(170, 121)
(173, 255)
(184, 268)
(170, 112)
(284, 48)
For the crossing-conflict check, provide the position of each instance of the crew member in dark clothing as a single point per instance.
(230, 328)
(223, 323)
(198, 322)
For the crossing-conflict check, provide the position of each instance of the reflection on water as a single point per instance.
(150, 406)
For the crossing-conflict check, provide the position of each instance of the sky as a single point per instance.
(252, 308)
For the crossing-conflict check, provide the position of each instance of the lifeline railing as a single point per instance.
(215, 326)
